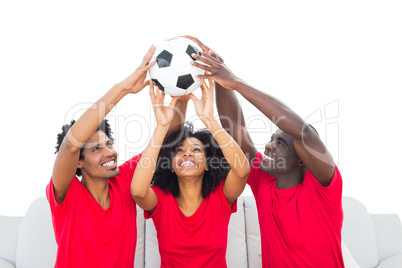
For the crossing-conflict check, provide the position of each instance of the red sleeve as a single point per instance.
(330, 195)
(223, 199)
(60, 212)
(126, 170)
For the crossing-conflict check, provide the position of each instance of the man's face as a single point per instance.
(280, 155)
(100, 158)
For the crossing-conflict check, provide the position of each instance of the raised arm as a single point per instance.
(308, 145)
(141, 191)
(66, 162)
(240, 167)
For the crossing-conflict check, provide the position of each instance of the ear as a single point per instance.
(79, 165)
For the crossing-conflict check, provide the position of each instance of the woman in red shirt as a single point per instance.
(197, 177)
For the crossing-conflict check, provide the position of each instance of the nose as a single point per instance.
(188, 152)
(109, 151)
(269, 146)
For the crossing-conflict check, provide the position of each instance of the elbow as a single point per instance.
(244, 171)
(137, 193)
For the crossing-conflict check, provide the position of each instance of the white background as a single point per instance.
(338, 64)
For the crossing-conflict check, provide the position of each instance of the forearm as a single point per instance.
(232, 119)
(179, 115)
(87, 124)
(278, 112)
(230, 149)
(229, 110)
(146, 166)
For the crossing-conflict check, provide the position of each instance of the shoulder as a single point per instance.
(73, 193)
(332, 192)
(256, 172)
(126, 170)
(131, 164)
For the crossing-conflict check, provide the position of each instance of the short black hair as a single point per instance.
(218, 167)
(104, 126)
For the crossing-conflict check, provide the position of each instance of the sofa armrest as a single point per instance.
(391, 262)
(388, 231)
(6, 264)
(358, 232)
(9, 227)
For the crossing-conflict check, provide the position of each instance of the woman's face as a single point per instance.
(190, 158)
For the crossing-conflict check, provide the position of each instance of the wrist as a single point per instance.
(238, 84)
(119, 88)
(208, 121)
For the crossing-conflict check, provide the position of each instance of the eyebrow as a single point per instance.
(96, 145)
(99, 144)
(282, 140)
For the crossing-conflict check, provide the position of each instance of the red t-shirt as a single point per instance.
(300, 226)
(89, 236)
(196, 241)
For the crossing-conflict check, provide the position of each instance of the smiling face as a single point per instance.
(99, 158)
(280, 156)
(190, 158)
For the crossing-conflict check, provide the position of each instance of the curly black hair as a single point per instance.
(104, 126)
(218, 167)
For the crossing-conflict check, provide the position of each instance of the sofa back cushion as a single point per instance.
(253, 238)
(8, 237)
(236, 254)
(358, 233)
(36, 246)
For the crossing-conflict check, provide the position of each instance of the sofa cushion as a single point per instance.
(236, 254)
(36, 246)
(253, 232)
(152, 257)
(139, 261)
(391, 262)
(8, 237)
(6, 264)
(358, 233)
(348, 259)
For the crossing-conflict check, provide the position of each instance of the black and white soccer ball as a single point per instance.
(173, 73)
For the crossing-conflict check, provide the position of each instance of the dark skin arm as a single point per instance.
(308, 145)
(230, 112)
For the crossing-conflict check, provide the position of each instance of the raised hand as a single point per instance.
(163, 114)
(205, 48)
(215, 70)
(204, 107)
(136, 81)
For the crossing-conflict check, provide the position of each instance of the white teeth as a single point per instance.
(187, 163)
(108, 164)
(268, 157)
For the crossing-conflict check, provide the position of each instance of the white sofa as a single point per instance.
(370, 240)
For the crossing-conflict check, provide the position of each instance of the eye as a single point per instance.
(280, 143)
(197, 150)
(178, 150)
(109, 143)
(95, 149)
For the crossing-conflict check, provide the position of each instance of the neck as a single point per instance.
(190, 195)
(99, 189)
(288, 180)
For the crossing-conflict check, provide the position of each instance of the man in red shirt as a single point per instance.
(296, 184)
(94, 219)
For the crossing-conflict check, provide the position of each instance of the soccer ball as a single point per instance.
(173, 73)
